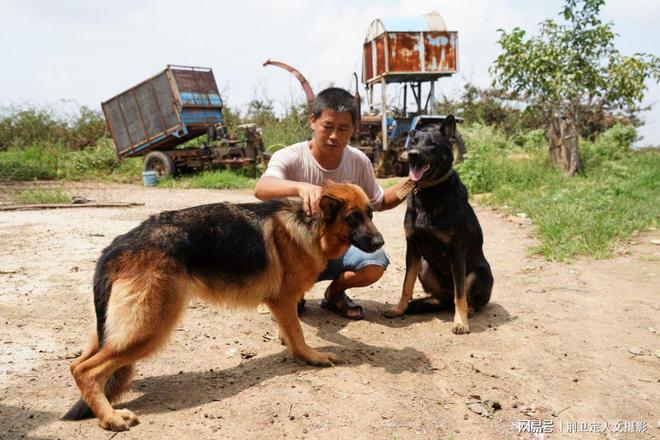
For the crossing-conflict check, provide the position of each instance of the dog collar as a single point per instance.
(411, 186)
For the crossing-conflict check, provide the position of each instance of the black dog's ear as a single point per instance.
(448, 127)
(330, 207)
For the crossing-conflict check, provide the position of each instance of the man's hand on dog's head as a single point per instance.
(310, 195)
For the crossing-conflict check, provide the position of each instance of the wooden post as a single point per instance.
(383, 90)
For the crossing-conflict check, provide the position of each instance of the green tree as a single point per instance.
(571, 66)
(261, 112)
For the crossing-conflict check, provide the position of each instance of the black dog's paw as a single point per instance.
(393, 313)
(458, 328)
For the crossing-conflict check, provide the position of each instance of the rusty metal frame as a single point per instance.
(307, 88)
(383, 91)
(139, 109)
(176, 93)
(163, 128)
(123, 118)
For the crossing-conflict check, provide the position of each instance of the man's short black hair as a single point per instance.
(339, 100)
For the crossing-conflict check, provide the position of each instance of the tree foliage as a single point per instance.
(573, 64)
(24, 126)
(571, 67)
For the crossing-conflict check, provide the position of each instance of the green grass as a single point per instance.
(100, 163)
(30, 163)
(391, 182)
(590, 214)
(54, 161)
(217, 179)
(39, 196)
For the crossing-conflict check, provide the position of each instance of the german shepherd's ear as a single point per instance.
(330, 207)
(448, 128)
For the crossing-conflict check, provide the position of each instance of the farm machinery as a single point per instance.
(156, 117)
(410, 54)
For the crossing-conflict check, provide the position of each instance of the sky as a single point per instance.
(82, 52)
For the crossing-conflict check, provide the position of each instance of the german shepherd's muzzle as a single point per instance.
(236, 254)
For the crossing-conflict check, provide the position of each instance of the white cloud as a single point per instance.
(639, 10)
(89, 50)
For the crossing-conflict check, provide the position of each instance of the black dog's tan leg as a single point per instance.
(413, 263)
(284, 309)
(460, 325)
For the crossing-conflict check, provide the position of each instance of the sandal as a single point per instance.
(342, 306)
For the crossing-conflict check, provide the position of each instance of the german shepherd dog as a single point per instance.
(236, 254)
(443, 236)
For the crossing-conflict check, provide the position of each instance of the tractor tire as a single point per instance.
(160, 162)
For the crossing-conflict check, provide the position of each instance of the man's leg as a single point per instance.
(355, 269)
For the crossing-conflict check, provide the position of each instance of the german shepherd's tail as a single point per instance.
(121, 378)
(78, 411)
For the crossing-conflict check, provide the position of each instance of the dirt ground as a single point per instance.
(565, 348)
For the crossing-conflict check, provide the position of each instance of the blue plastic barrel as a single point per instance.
(150, 178)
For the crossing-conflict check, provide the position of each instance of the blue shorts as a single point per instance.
(354, 259)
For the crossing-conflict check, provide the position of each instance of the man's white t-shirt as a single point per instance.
(296, 162)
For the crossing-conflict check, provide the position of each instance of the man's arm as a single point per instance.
(269, 187)
(390, 198)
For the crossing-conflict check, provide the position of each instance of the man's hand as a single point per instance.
(310, 195)
(269, 187)
(391, 198)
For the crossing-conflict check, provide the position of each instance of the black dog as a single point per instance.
(443, 235)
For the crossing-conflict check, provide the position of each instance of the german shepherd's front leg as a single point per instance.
(460, 325)
(285, 311)
(413, 263)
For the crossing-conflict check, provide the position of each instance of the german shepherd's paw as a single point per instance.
(458, 328)
(393, 313)
(321, 359)
(120, 420)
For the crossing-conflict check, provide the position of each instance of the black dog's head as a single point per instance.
(430, 156)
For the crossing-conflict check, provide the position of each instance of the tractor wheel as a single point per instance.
(160, 162)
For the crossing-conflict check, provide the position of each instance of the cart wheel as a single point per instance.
(160, 162)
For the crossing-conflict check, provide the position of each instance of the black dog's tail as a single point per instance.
(120, 378)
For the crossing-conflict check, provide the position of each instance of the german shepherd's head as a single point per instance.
(347, 219)
(430, 156)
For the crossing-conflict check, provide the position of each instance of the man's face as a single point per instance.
(332, 130)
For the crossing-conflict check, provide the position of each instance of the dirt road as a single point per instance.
(561, 348)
